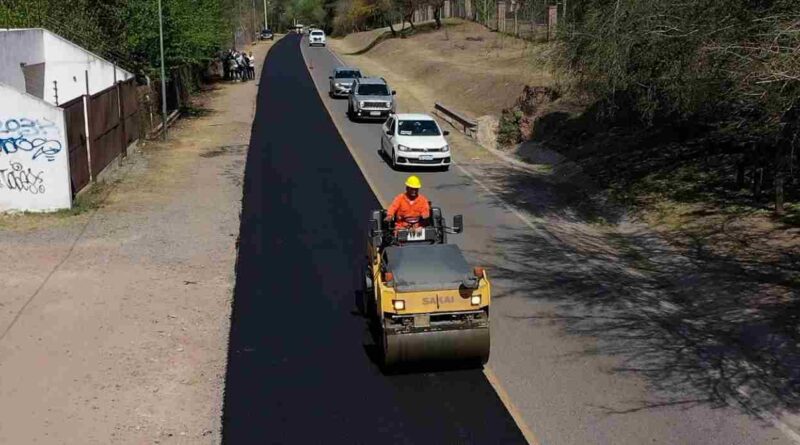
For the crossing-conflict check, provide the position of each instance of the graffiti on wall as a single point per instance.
(40, 138)
(34, 157)
(17, 177)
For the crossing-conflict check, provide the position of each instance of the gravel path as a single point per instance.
(114, 323)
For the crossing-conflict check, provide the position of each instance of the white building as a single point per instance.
(43, 64)
(38, 71)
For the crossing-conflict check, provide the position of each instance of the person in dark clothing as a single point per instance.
(251, 66)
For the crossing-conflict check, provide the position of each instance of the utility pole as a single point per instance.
(255, 23)
(266, 21)
(163, 75)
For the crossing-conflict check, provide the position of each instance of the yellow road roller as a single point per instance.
(428, 304)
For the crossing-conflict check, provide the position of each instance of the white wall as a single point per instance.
(19, 46)
(64, 62)
(34, 155)
(67, 63)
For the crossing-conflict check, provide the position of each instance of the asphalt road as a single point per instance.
(564, 386)
(299, 368)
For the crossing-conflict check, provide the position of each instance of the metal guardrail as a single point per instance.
(456, 119)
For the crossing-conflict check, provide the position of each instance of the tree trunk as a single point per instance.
(391, 28)
(779, 210)
(758, 179)
(740, 166)
(437, 16)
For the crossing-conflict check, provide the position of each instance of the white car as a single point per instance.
(415, 140)
(317, 37)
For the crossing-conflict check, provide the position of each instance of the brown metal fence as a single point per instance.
(76, 138)
(113, 125)
(104, 128)
(129, 110)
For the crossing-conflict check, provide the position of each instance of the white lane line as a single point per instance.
(491, 377)
(512, 409)
(336, 56)
(787, 430)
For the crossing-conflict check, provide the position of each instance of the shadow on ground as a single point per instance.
(700, 327)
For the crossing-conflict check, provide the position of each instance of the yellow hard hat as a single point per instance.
(413, 182)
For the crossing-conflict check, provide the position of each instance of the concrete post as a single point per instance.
(446, 9)
(468, 10)
(501, 15)
(552, 22)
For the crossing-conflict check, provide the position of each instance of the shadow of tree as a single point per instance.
(700, 327)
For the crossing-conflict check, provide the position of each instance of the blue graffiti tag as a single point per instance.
(38, 146)
(28, 135)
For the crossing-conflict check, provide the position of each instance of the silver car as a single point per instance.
(341, 80)
(370, 98)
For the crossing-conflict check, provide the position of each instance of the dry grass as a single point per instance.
(464, 65)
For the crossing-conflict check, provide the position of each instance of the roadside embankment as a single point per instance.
(480, 74)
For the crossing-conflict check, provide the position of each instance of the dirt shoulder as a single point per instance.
(115, 322)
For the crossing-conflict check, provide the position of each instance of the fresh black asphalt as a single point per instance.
(298, 370)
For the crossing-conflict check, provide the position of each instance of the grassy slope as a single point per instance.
(480, 73)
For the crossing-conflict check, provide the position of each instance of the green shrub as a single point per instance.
(508, 131)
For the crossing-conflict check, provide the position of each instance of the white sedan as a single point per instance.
(317, 37)
(415, 140)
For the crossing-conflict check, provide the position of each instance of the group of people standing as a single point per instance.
(239, 65)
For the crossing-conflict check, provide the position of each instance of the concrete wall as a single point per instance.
(34, 158)
(64, 62)
(19, 46)
(67, 63)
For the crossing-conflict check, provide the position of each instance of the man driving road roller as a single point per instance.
(409, 209)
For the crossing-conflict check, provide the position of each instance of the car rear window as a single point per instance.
(317, 33)
(348, 74)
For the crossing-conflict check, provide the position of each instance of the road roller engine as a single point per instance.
(428, 303)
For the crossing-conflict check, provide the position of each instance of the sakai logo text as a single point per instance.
(442, 300)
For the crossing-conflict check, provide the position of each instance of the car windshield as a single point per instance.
(317, 33)
(417, 128)
(348, 74)
(373, 90)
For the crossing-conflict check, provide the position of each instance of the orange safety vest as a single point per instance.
(402, 208)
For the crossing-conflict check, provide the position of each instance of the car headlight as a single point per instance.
(399, 305)
(402, 148)
(475, 299)
(361, 104)
(446, 148)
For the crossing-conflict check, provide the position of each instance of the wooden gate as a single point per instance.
(76, 139)
(129, 111)
(105, 129)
